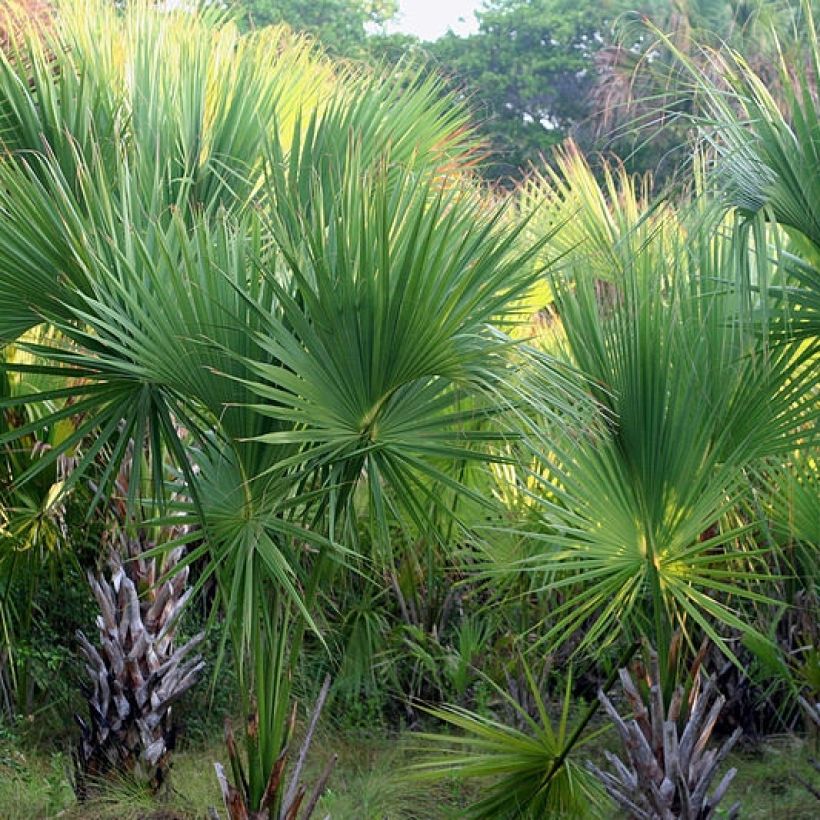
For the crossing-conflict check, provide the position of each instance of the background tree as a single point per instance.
(538, 71)
(528, 72)
(342, 26)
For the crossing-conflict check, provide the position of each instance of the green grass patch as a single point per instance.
(368, 784)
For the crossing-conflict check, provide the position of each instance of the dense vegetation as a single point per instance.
(328, 421)
(610, 74)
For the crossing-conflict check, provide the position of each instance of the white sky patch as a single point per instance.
(429, 19)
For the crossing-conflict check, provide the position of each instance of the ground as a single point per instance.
(368, 785)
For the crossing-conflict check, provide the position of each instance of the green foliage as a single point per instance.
(767, 149)
(44, 538)
(278, 280)
(639, 510)
(341, 26)
(527, 72)
(530, 771)
(643, 96)
(611, 74)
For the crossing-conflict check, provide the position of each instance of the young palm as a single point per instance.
(530, 770)
(639, 512)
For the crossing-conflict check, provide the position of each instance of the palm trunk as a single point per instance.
(664, 776)
(136, 672)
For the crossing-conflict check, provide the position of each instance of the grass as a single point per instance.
(367, 785)
(768, 781)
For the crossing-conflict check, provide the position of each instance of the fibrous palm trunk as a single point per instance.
(136, 672)
(664, 775)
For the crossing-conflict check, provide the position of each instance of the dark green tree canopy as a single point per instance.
(528, 71)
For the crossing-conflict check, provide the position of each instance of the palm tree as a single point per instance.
(765, 147)
(640, 519)
(138, 672)
(664, 773)
(286, 260)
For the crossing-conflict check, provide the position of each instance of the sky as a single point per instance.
(429, 19)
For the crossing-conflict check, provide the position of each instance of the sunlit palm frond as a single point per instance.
(688, 402)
